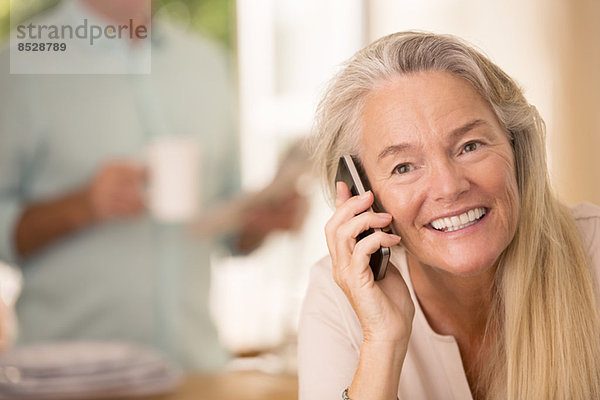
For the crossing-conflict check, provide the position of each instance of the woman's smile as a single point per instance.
(458, 221)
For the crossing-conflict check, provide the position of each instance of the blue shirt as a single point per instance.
(133, 279)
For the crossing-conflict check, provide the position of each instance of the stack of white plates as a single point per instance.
(84, 370)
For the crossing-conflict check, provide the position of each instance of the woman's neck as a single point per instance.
(459, 306)
(453, 305)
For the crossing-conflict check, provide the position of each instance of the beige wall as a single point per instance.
(575, 146)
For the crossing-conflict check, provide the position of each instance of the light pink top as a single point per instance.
(330, 335)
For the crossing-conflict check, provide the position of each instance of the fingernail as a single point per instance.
(365, 195)
(395, 236)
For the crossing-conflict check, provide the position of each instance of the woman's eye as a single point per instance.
(403, 169)
(471, 146)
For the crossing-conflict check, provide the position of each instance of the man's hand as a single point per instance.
(285, 213)
(117, 191)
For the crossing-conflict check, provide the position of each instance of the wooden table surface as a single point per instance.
(247, 385)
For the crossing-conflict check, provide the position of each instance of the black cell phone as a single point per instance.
(350, 172)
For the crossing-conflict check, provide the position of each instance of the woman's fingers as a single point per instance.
(348, 232)
(359, 273)
(357, 225)
(347, 207)
(342, 234)
(356, 272)
(351, 218)
(343, 193)
(370, 244)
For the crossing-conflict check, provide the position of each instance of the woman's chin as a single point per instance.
(461, 264)
(469, 266)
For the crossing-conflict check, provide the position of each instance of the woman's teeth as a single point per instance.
(456, 222)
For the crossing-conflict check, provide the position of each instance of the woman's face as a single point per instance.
(441, 165)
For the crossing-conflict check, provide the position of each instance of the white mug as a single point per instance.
(174, 166)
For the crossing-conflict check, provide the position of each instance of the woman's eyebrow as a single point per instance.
(453, 136)
(456, 133)
(394, 149)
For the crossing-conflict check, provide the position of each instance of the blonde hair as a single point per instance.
(545, 317)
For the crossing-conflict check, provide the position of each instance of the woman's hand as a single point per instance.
(384, 308)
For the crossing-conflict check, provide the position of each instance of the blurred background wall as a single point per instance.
(284, 52)
(577, 104)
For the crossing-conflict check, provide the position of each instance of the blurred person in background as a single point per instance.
(72, 204)
(491, 292)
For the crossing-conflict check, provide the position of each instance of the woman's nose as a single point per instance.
(448, 181)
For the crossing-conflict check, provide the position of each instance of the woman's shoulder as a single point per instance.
(587, 219)
(585, 211)
(322, 267)
(321, 276)
(321, 284)
(322, 288)
(325, 301)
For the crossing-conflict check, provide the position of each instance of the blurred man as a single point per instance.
(72, 204)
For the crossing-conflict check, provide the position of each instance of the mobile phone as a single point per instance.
(351, 173)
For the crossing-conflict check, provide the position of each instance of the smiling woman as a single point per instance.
(493, 292)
